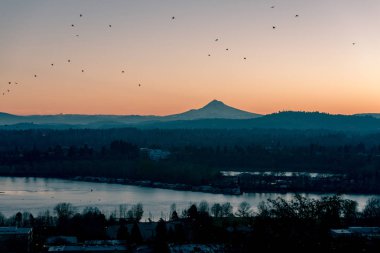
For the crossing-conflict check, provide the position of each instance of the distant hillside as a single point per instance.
(215, 115)
(375, 115)
(214, 109)
(281, 120)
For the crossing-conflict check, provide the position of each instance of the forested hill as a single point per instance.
(281, 120)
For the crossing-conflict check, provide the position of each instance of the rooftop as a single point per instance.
(92, 248)
(14, 231)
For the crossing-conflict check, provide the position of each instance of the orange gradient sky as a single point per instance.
(307, 63)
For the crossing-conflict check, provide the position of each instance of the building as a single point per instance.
(61, 240)
(15, 239)
(201, 248)
(88, 248)
(364, 232)
(156, 154)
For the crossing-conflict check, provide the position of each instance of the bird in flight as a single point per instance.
(216, 39)
(69, 60)
(273, 27)
(110, 25)
(9, 82)
(72, 25)
(122, 71)
(80, 15)
(173, 17)
(52, 64)
(209, 54)
(82, 70)
(139, 84)
(245, 58)
(353, 43)
(226, 49)
(35, 75)
(272, 6)
(296, 15)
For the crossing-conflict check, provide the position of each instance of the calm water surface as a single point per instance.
(38, 194)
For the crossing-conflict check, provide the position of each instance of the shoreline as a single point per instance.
(234, 191)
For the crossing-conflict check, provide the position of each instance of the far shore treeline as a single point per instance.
(195, 156)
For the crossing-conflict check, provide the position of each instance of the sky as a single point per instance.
(327, 59)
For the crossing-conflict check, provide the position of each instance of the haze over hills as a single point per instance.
(213, 110)
(375, 115)
(214, 115)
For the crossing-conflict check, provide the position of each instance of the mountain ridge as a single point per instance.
(214, 109)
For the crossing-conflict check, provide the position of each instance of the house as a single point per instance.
(15, 239)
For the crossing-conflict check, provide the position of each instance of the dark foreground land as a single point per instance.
(331, 224)
(192, 159)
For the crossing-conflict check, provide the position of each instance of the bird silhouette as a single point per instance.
(139, 85)
(296, 15)
(80, 15)
(69, 60)
(227, 49)
(52, 64)
(122, 71)
(9, 82)
(82, 70)
(35, 75)
(353, 43)
(173, 17)
(245, 58)
(209, 54)
(72, 25)
(272, 6)
(109, 25)
(216, 39)
(274, 27)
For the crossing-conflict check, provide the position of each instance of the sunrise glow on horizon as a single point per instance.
(133, 57)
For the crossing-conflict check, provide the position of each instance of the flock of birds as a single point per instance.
(9, 88)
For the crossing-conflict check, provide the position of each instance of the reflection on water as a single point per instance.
(38, 194)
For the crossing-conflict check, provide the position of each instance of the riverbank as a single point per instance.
(178, 187)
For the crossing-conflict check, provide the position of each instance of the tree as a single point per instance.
(174, 216)
(161, 231)
(2, 219)
(226, 209)
(203, 207)
(64, 211)
(123, 211)
(192, 212)
(216, 210)
(137, 211)
(18, 219)
(135, 233)
(244, 210)
(372, 209)
(122, 233)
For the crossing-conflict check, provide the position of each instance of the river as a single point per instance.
(38, 194)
